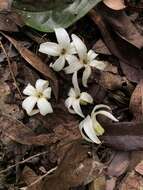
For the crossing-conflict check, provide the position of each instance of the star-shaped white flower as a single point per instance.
(64, 49)
(86, 60)
(90, 128)
(40, 94)
(77, 98)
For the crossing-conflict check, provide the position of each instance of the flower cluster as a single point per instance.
(75, 54)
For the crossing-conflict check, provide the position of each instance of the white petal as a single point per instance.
(59, 64)
(73, 67)
(88, 128)
(85, 76)
(68, 104)
(107, 114)
(29, 90)
(75, 84)
(91, 55)
(98, 64)
(41, 85)
(77, 108)
(72, 93)
(44, 106)
(29, 103)
(86, 97)
(33, 112)
(62, 37)
(47, 93)
(80, 46)
(72, 49)
(99, 106)
(50, 48)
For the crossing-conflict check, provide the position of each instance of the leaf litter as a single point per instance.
(41, 152)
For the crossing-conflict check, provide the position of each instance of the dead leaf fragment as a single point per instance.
(29, 177)
(18, 132)
(76, 168)
(136, 102)
(119, 164)
(139, 168)
(98, 184)
(132, 181)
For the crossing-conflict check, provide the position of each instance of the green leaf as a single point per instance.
(45, 15)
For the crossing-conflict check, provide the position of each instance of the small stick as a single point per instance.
(22, 162)
(11, 72)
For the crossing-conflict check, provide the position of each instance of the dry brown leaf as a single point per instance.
(98, 184)
(10, 109)
(132, 182)
(118, 46)
(119, 164)
(121, 23)
(18, 132)
(76, 168)
(136, 102)
(29, 177)
(36, 62)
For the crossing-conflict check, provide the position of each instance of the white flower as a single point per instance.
(90, 128)
(37, 95)
(63, 49)
(86, 60)
(76, 98)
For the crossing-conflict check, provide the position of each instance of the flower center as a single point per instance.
(39, 95)
(63, 51)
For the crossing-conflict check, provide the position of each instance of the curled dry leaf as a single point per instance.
(35, 62)
(121, 23)
(76, 168)
(117, 45)
(136, 102)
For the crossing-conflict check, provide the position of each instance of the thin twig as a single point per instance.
(43, 176)
(11, 72)
(22, 162)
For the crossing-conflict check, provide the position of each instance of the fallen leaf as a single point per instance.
(111, 183)
(139, 168)
(121, 23)
(132, 181)
(125, 136)
(36, 62)
(29, 177)
(76, 168)
(119, 164)
(18, 132)
(136, 102)
(118, 46)
(10, 21)
(98, 184)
